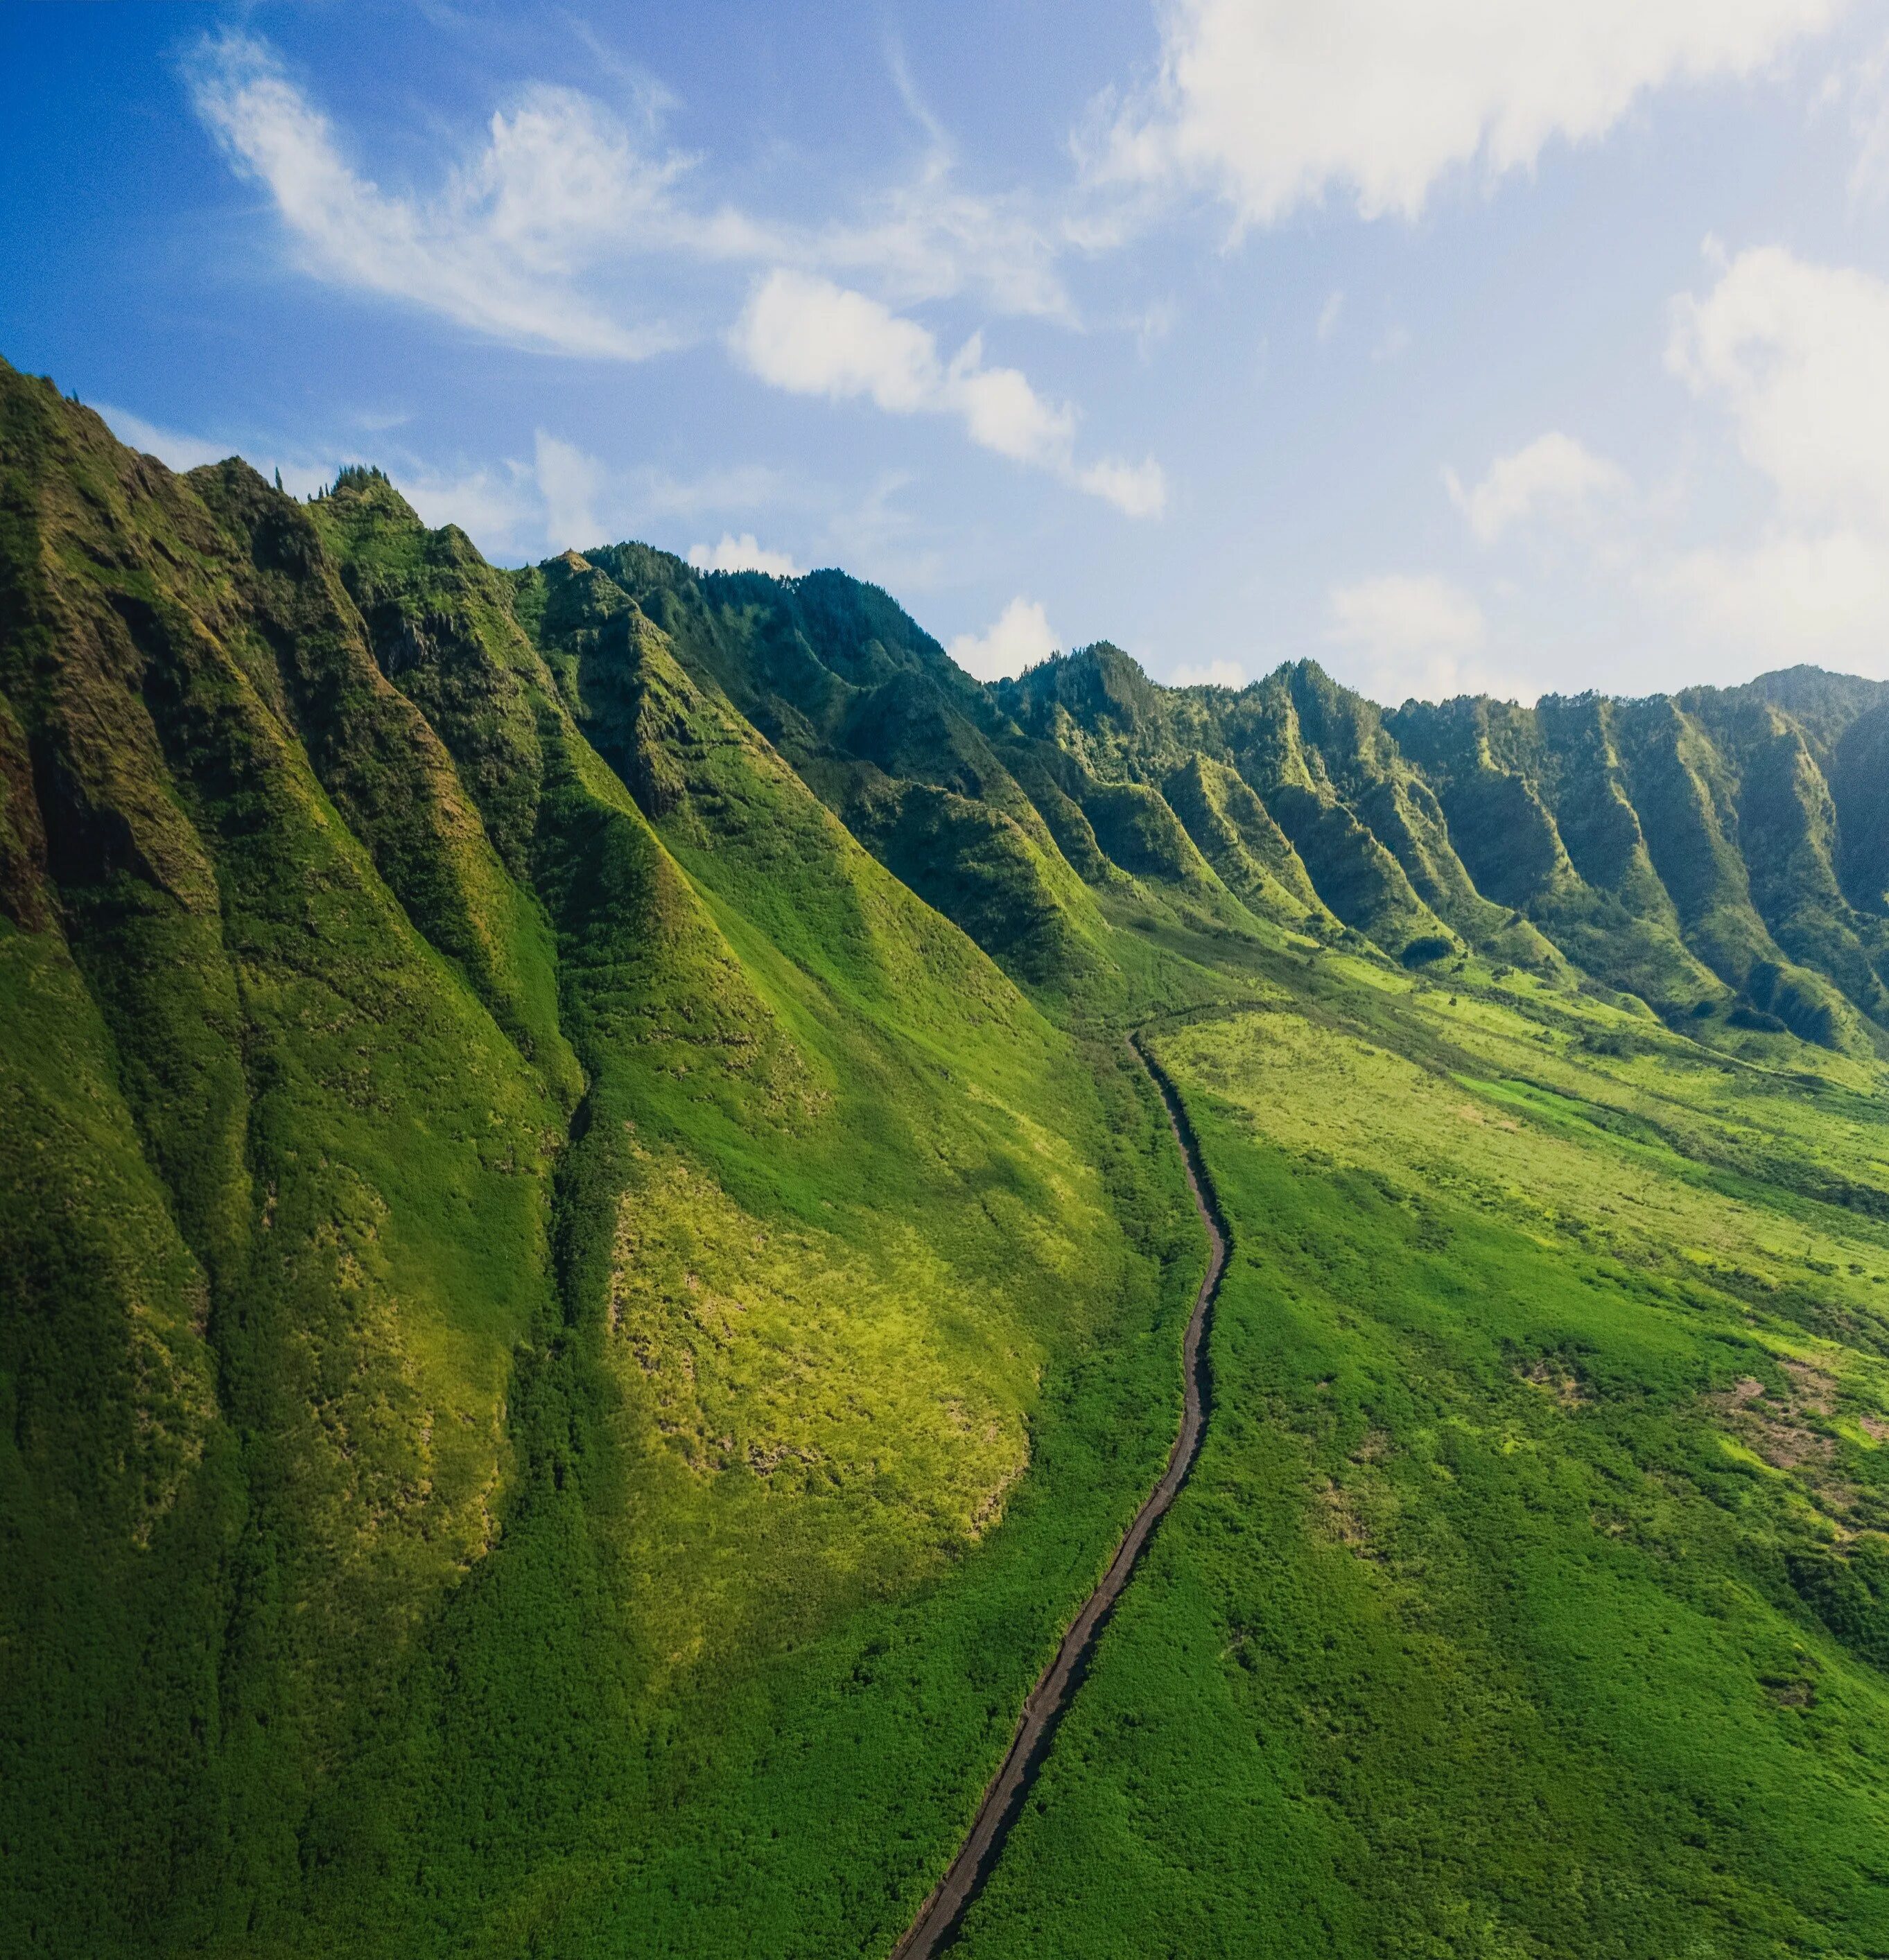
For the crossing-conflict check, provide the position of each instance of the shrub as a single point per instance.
(1426, 951)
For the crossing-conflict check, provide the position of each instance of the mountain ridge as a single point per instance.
(586, 1285)
(1365, 814)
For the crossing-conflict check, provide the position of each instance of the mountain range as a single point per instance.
(587, 1282)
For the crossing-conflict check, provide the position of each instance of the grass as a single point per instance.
(586, 1284)
(1501, 1614)
(566, 1357)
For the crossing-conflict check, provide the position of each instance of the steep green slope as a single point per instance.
(1536, 799)
(895, 738)
(340, 1155)
(586, 1283)
(524, 1280)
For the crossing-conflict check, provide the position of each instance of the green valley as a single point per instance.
(589, 1282)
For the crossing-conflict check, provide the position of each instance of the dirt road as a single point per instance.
(937, 1923)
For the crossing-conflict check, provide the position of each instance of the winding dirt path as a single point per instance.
(940, 1916)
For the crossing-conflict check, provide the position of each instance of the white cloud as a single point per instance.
(495, 250)
(1003, 411)
(742, 553)
(1410, 634)
(1274, 103)
(570, 482)
(1792, 598)
(1328, 315)
(494, 507)
(1798, 355)
(528, 237)
(1210, 673)
(812, 337)
(1020, 637)
(1554, 473)
(926, 240)
(1869, 122)
(1139, 489)
(805, 334)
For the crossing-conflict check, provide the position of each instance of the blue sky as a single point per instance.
(1460, 345)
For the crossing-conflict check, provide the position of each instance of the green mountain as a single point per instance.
(589, 1282)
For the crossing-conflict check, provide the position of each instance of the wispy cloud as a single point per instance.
(535, 238)
(527, 238)
(499, 247)
(1797, 354)
(808, 336)
(1867, 84)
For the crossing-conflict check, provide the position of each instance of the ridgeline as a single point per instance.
(588, 1285)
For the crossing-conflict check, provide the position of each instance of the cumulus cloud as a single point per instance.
(496, 506)
(1019, 638)
(812, 337)
(1139, 489)
(742, 553)
(1410, 634)
(1554, 474)
(1273, 103)
(571, 483)
(1209, 673)
(1797, 354)
(802, 333)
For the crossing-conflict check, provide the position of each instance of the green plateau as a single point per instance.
(590, 1280)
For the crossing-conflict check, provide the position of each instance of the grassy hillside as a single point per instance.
(529, 1280)
(586, 1281)
(1531, 1595)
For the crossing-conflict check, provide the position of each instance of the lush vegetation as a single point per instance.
(565, 1357)
(1528, 1597)
(587, 1280)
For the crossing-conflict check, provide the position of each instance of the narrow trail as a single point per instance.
(939, 1919)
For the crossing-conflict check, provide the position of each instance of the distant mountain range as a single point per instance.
(1719, 849)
